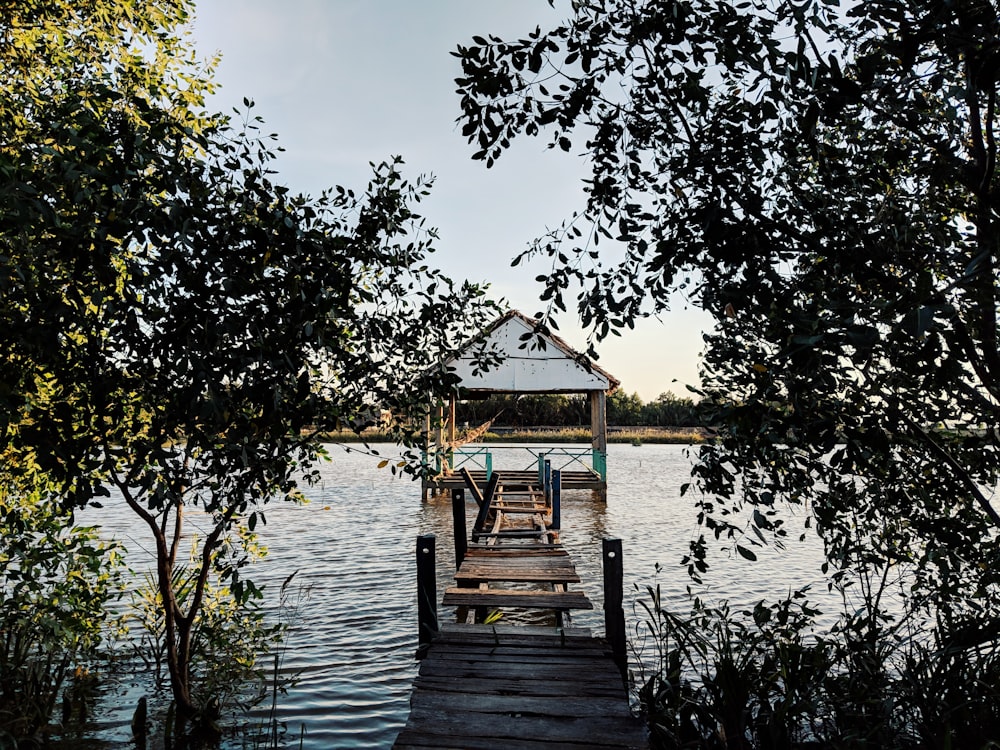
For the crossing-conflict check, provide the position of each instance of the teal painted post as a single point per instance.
(489, 465)
(547, 480)
(600, 461)
(426, 593)
(541, 469)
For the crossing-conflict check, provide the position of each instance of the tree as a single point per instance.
(176, 325)
(823, 180)
(624, 408)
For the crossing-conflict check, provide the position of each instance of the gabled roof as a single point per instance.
(525, 366)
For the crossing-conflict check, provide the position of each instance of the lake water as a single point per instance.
(353, 547)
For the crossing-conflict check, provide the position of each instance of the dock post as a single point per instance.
(614, 614)
(547, 480)
(458, 523)
(556, 499)
(426, 592)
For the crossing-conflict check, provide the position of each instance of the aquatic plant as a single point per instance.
(56, 582)
(770, 678)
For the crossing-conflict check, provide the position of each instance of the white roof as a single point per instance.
(527, 368)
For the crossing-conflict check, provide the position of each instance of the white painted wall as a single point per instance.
(529, 369)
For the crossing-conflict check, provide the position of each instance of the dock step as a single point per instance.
(560, 600)
(540, 567)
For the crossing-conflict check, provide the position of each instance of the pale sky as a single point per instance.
(348, 82)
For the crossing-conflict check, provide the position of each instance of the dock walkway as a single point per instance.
(517, 686)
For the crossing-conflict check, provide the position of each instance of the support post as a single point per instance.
(452, 434)
(614, 613)
(426, 592)
(458, 524)
(599, 432)
(439, 436)
(556, 499)
(547, 480)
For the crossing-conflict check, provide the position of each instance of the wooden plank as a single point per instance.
(517, 679)
(600, 731)
(527, 549)
(544, 705)
(496, 684)
(449, 631)
(512, 565)
(512, 509)
(524, 560)
(465, 578)
(470, 482)
(532, 551)
(511, 653)
(465, 597)
(419, 740)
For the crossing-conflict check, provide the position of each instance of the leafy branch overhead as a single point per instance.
(177, 325)
(821, 178)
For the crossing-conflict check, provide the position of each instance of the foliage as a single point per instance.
(177, 325)
(230, 640)
(823, 180)
(56, 583)
(560, 410)
(772, 677)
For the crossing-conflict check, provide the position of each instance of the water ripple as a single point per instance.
(353, 549)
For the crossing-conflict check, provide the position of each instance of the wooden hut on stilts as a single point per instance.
(528, 362)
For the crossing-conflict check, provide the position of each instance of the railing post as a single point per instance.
(541, 469)
(556, 499)
(614, 613)
(547, 480)
(426, 592)
(458, 524)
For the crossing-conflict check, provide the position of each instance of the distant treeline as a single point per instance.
(561, 410)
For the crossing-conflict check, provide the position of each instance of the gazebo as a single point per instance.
(529, 362)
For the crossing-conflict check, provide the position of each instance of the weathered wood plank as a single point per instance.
(416, 740)
(520, 673)
(450, 632)
(538, 705)
(462, 597)
(500, 685)
(600, 731)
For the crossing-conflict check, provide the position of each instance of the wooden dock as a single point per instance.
(517, 686)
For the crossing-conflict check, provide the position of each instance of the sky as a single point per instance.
(348, 82)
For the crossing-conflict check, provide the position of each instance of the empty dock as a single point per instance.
(483, 685)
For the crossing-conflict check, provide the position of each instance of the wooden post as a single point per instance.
(458, 523)
(452, 435)
(439, 436)
(426, 592)
(614, 613)
(556, 499)
(484, 508)
(547, 480)
(599, 430)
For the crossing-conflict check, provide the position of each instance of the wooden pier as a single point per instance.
(517, 686)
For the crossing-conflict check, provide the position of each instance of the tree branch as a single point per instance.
(956, 467)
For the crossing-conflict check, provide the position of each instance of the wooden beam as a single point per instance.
(599, 421)
(426, 592)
